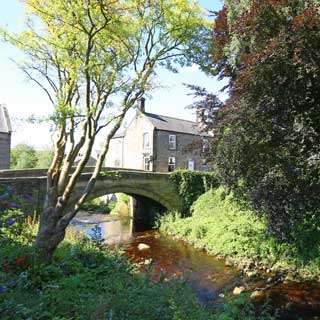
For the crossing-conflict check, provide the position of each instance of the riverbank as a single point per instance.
(89, 281)
(221, 227)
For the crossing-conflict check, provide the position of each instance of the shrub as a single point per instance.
(221, 226)
(191, 184)
(97, 205)
(122, 207)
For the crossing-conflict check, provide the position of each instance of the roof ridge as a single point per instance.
(160, 115)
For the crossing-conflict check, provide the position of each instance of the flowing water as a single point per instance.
(209, 277)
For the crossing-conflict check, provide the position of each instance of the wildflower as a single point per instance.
(20, 260)
(3, 289)
(12, 283)
(5, 267)
(19, 215)
(27, 197)
(14, 205)
(5, 196)
(10, 222)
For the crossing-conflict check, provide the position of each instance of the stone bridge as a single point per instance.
(151, 192)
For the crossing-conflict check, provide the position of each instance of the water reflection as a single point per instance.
(115, 230)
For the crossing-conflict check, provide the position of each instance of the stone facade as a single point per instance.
(156, 143)
(184, 159)
(5, 138)
(128, 150)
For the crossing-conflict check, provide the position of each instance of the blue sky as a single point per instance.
(24, 98)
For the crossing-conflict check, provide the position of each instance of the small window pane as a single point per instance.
(171, 164)
(191, 165)
(146, 163)
(146, 141)
(172, 141)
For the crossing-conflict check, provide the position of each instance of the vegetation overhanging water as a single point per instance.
(171, 259)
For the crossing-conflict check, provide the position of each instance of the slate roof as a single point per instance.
(173, 124)
(168, 124)
(5, 125)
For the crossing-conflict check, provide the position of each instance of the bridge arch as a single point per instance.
(156, 187)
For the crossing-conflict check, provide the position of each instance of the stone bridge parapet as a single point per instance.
(154, 186)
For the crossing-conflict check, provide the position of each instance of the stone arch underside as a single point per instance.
(132, 191)
(158, 191)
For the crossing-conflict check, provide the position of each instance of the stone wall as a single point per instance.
(181, 155)
(5, 142)
(34, 188)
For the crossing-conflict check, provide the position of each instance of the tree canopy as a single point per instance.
(95, 59)
(267, 134)
(23, 156)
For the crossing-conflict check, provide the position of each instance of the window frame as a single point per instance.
(193, 164)
(171, 165)
(146, 135)
(174, 142)
(146, 163)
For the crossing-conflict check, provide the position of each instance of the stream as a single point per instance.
(208, 276)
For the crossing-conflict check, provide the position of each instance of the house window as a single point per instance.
(191, 165)
(146, 141)
(171, 164)
(146, 163)
(205, 145)
(172, 142)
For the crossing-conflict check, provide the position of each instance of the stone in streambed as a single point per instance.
(238, 290)
(256, 294)
(143, 246)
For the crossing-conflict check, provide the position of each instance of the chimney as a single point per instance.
(5, 125)
(142, 107)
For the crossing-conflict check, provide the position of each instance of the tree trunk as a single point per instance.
(50, 234)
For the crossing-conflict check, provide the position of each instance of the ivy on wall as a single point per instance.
(192, 184)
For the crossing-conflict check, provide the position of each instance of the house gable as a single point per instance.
(5, 138)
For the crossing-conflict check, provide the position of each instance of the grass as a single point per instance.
(220, 226)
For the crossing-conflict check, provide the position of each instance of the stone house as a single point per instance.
(157, 143)
(5, 138)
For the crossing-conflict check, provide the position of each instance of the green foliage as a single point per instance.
(237, 308)
(88, 281)
(44, 158)
(23, 156)
(95, 60)
(191, 184)
(222, 227)
(268, 142)
(122, 206)
(12, 218)
(266, 134)
(97, 205)
(85, 282)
